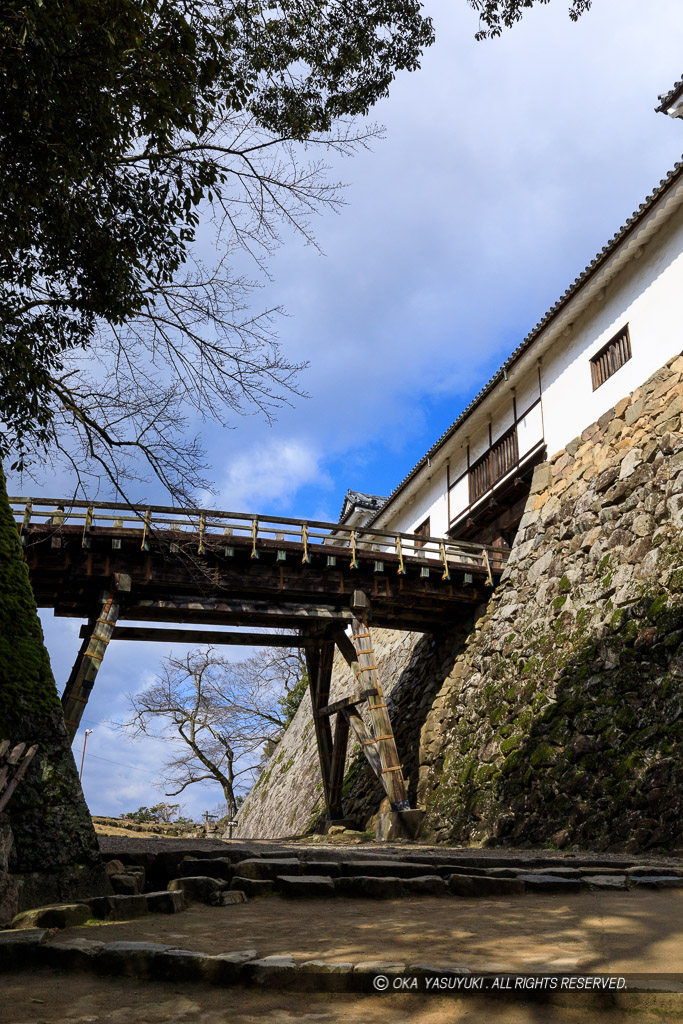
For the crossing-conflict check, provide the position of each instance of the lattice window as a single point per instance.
(611, 358)
(491, 467)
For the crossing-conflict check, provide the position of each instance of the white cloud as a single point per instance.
(270, 473)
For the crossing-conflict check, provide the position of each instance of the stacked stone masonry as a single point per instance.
(556, 716)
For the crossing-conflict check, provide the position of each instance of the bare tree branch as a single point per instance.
(224, 714)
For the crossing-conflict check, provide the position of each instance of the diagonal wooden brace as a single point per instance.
(87, 664)
(382, 734)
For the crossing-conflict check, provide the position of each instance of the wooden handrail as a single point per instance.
(149, 517)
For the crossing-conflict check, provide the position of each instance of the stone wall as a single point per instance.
(287, 799)
(562, 721)
(556, 717)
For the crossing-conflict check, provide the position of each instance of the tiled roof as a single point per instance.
(667, 98)
(595, 264)
(356, 499)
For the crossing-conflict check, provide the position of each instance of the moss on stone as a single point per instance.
(544, 754)
(55, 845)
(511, 743)
(658, 608)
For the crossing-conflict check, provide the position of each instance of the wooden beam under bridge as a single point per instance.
(376, 739)
(202, 636)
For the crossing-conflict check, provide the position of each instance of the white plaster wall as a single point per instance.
(530, 430)
(460, 496)
(526, 389)
(479, 443)
(502, 421)
(457, 452)
(648, 295)
(430, 501)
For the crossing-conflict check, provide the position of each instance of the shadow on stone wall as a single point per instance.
(564, 715)
(592, 758)
(411, 699)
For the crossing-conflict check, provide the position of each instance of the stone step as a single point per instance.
(386, 868)
(214, 867)
(268, 868)
(483, 885)
(252, 886)
(305, 886)
(538, 882)
(332, 868)
(197, 888)
(369, 886)
(162, 962)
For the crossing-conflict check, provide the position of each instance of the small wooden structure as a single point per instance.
(105, 563)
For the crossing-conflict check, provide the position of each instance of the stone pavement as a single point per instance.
(84, 999)
(635, 931)
(601, 931)
(263, 956)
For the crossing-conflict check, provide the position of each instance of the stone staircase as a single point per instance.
(303, 873)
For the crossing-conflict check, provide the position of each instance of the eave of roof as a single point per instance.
(356, 499)
(607, 250)
(667, 99)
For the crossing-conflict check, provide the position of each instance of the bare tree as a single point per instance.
(225, 715)
(154, 149)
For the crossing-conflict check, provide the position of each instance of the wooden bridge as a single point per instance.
(112, 562)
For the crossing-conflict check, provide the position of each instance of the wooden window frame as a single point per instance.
(611, 357)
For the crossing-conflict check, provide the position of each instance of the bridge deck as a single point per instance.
(221, 568)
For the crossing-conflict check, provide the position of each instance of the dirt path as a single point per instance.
(587, 931)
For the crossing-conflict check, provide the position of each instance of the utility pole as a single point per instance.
(85, 740)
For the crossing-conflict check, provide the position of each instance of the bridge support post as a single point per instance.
(332, 752)
(82, 678)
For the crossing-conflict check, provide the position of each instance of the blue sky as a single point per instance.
(505, 166)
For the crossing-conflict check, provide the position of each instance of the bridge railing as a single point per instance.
(208, 526)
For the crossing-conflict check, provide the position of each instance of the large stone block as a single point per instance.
(20, 948)
(211, 867)
(131, 959)
(271, 971)
(424, 885)
(127, 908)
(125, 884)
(165, 902)
(65, 915)
(369, 886)
(550, 883)
(252, 886)
(196, 889)
(386, 868)
(268, 868)
(227, 968)
(179, 965)
(482, 885)
(305, 887)
(71, 954)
